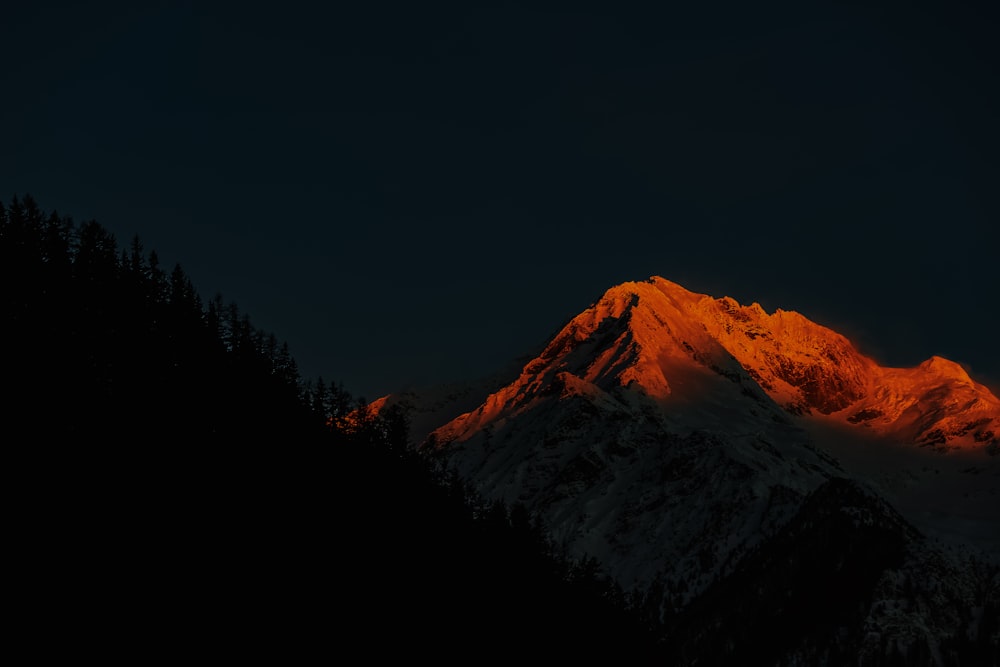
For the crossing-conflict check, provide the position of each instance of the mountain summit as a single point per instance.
(674, 346)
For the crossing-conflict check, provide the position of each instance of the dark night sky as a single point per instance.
(413, 192)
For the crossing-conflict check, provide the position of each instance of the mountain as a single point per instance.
(689, 444)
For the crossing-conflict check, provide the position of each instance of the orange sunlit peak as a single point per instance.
(945, 367)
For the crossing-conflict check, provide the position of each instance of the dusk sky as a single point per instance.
(416, 192)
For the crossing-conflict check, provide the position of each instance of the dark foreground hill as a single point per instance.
(178, 491)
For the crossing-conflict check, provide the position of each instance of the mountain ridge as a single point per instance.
(806, 368)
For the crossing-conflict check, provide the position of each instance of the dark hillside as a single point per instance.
(178, 489)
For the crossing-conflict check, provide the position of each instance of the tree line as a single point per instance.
(180, 484)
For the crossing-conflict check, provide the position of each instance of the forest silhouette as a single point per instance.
(182, 489)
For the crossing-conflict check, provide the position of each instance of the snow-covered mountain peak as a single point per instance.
(945, 368)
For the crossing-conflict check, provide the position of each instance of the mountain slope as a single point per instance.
(847, 581)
